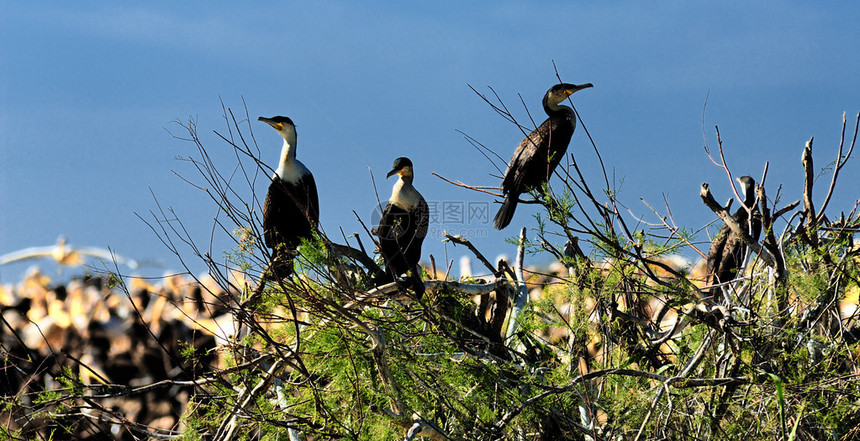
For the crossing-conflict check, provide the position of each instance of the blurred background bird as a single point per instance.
(66, 255)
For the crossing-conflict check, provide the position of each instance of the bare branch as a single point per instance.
(840, 162)
(463, 241)
(808, 180)
(469, 187)
(522, 294)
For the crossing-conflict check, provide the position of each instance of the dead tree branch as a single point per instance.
(840, 162)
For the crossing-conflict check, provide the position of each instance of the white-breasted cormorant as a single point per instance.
(292, 208)
(539, 153)
(727, 249)
(403, 226)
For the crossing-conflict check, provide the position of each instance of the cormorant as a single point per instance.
(403, 226)
(537, 156)
(727, 249)
(291, 211)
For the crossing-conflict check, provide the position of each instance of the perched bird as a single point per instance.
(403, 226)
(727, 249)
(66, 255)
(291, 211)
(536, 157)
(574, 252)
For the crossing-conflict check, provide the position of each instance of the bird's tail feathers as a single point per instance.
(506, 212)
(415, 282)
(381, 277)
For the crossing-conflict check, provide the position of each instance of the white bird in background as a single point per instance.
(66, 255)
(465, 267)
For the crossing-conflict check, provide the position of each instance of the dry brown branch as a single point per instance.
(467, 186)
(771, 244)
(673, 229)
(522, 293)
(485, 151)
(722, 164)
(357, 255)
(786, 209)
(458, 239)
(840, 162)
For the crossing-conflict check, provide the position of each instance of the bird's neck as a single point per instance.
(748, 193)
(749, 198)
(288, 156)
(557, 110)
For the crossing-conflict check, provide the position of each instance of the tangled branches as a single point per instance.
(616, 343)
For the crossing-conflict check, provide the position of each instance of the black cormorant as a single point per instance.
(292, 208)
(403, 226)
(537, 156)
(727, 249)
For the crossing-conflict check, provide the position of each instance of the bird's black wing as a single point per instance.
(532, 150)
(271, 212)
(387, 223)
(401, 234)
(423, 220)
(392, 226)
(313, 200)
(290, 212)
(420, 218)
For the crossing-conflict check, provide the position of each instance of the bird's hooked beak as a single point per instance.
(569, 89)
(404, 172)
(277, 126)
(396, 171)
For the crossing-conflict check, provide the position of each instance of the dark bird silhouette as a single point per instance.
(727, 252)
(539, 153)
(291, 211)
(403, 227)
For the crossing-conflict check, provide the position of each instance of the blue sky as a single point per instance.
(90, 90)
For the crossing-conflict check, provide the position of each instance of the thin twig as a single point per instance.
(840, 162)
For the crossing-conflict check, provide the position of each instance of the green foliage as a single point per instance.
(48, 396)
(242, 255)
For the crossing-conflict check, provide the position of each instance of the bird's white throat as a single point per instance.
(404, 195)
